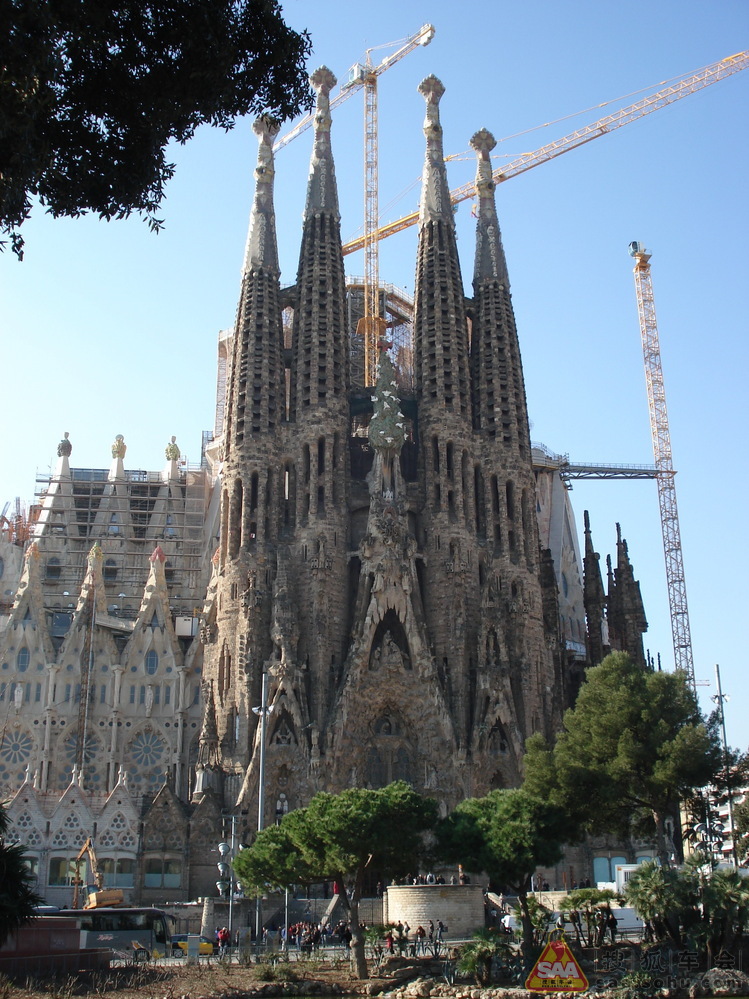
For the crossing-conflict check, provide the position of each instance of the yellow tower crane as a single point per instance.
(665, 474)
(365, 76)
(681, 88)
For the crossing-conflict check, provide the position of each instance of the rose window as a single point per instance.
(16, 747)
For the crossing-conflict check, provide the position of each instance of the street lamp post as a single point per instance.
(226, 872)
(719, 700)
(263, 712)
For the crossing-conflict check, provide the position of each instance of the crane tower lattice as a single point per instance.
(665, 474)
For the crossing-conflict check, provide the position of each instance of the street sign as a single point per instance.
(556, 970)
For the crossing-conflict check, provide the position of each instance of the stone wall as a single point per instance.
(460, 907)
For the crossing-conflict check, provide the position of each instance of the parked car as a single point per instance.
(179, 945)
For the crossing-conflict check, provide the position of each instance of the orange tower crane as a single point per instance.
(365, 76)
(663, 98)
(665, 474)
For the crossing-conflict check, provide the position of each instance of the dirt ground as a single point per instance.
(205, 981)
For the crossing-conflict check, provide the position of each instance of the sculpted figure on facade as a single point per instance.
(119, 448)
(171, 451)
(64, 448)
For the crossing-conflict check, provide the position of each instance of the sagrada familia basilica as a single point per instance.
(388, 577)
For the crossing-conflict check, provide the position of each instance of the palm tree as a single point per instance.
(725, 911)
(477, 955)
(659, 895)
(17, 895)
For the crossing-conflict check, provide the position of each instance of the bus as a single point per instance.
(135, 933)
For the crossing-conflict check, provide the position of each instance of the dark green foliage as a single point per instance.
(477, 956)
(337, 835)
(587, 902)
(632, 746)
(507, 834)
(17, 896)
(336, 838)
(696, 906)
(91, 94)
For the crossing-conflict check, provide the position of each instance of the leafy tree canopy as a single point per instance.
(91, 93)
(17, 895)
(634, 743)
(337, 837)
(507, 834)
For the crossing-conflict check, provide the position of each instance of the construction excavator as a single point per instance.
(101, 896)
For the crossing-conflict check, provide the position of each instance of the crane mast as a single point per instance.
(633, 112)
(665, 474)
(372, 326)
(365, 76)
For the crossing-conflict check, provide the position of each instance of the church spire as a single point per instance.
(626, 611)
(440, 331)
(490, 261)
(262, 249)
(499, 404)
(319, 372)
(322, 191)
(594, 599)
(435, 193)
(257, 393)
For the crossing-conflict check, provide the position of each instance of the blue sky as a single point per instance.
(109, 329)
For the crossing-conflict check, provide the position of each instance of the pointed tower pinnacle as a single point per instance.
(319, 367)
(440, 328)
(322, 192)
(207, 767)
(256, 399)
(262, 248)
(435, 194)
(499, 404)
(594, 599)
(490, 258)
(626, 609)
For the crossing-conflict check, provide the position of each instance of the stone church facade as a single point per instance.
(366, 564)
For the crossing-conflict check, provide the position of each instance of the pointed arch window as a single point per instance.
(23, 658)
(152, 661)
(154, 622)
(224, 670)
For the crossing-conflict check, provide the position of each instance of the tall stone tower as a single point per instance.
(379, 562)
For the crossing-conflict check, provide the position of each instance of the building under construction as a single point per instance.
(390, 570)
